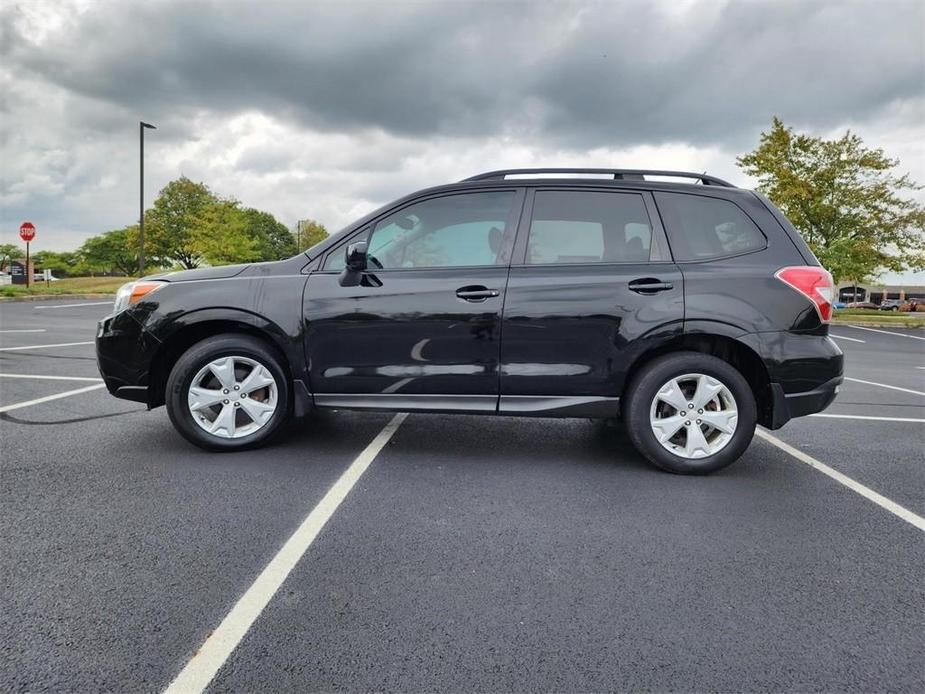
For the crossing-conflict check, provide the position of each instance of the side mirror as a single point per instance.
(355, 264)
(356, 256)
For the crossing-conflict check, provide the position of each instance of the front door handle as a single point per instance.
(476, 293)
(649, 286)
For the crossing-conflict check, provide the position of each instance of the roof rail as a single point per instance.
(618, 174)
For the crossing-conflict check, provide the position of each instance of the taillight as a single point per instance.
(813, 282)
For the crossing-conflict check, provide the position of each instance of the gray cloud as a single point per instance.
(349, 89)
(577, 73)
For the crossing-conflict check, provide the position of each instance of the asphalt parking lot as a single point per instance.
(473, 554)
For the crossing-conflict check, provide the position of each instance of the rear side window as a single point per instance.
(588, 227)
(700, 228)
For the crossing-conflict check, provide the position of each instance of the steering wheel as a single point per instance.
(372, 260)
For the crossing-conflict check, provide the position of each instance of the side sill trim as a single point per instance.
(478, 404)
(592, 406)
(560, 406)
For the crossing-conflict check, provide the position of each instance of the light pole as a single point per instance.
(141, 195)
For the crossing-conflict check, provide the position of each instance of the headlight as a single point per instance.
(132, 292)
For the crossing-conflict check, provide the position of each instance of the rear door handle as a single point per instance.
(476, 293)
(649, 286)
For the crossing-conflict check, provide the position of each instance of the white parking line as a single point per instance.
(52, 378)
(200, 670)
(95, 303)
(869, 417)
(884, 385)
(885, 332)
(866, 492)
(60, 344)
(49, 398)
(842, 337)
(37, 330)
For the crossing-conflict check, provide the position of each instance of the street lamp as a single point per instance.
(141, 196)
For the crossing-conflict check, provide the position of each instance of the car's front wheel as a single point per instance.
(228, 393)
(690, 413)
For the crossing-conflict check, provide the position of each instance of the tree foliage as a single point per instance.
(187, 226)
(309, 232)
(113, 252)
(274, 240)
(220, 235)
(63, 264)
(844, 198)
(170, 227)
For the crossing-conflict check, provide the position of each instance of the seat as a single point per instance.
(500, 243)
(635, 251)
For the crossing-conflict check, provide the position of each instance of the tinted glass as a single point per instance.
(700, 227)
(452, 231)
(588, 227)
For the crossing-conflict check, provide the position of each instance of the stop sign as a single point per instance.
(27, 231)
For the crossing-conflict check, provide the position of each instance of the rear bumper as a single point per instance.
(790, 405)
(805, 371)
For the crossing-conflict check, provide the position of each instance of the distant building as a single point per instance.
(877, 293)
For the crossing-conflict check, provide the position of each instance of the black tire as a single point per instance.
(194, 359)
(643, 389)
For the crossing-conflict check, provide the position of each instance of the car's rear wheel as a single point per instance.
(228, 393)
(690, 413)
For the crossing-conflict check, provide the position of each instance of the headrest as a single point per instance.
(494, 239)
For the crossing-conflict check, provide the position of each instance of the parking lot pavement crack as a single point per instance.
(6, 417)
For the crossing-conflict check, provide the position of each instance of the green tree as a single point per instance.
(12, 250)
(63, 264)
(309, 232)
(170, 227)
(274, 240)
(114, 251)
(844, 198)
(9, 249)
(220, 235)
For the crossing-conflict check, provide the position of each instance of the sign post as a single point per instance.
(27, 233)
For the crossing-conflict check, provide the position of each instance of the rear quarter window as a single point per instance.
(701, 227)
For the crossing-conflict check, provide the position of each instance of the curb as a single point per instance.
(53, 297)
(874, 324)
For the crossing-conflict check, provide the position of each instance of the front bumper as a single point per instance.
(124, 352)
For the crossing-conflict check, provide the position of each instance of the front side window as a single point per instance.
(702, 227)
(588, 227)
(464, 230)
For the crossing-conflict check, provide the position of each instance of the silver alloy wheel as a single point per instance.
(694, 416)
(232, 397)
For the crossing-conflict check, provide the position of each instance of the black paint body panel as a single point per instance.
(574, 329)
(411, 335)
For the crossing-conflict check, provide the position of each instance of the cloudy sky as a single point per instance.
(327, 110)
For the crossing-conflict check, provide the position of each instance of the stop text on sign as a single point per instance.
(27, 231)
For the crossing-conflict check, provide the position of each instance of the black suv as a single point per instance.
(691, 310)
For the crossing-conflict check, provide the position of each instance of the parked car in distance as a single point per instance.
(691, 310)
(863, 304)
(893, 305)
